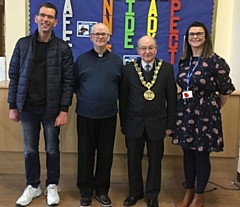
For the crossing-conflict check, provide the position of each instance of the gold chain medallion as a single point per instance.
(148, 94)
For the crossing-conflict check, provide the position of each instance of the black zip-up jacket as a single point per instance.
(59, 74)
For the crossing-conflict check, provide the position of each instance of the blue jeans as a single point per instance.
(31, 118)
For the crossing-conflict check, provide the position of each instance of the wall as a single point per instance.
(227, 38)
(15, 22)
(11, 138)
(226, 44)
(223, 28)
(226, 33)
(235, 44)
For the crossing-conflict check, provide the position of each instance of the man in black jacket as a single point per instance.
(147, 106)
(40, 92)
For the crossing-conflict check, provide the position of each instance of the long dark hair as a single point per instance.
(49, 5)
(207, 47)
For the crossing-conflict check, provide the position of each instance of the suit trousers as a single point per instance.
(155, 150)
(95, 141)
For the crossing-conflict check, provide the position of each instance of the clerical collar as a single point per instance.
(99, 55)
(144, 64)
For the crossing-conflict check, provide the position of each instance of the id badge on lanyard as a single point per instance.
(188, 93)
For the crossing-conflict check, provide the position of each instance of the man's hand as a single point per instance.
(61, 119)
(14, 115)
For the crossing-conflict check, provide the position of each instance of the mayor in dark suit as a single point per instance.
(147, 106)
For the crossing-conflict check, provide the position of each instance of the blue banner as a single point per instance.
(128, 20)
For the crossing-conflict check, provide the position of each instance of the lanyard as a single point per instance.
(190, 72)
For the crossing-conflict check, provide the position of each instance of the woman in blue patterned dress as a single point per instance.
(205, 86)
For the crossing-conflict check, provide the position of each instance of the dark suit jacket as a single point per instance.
(136, 113)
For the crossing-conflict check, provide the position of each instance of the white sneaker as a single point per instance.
(28, 195)
(51, 192)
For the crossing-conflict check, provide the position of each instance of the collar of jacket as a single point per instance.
(35, 35)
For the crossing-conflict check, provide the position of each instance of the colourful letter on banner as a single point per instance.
(67, 12)
(108, 14)
(152, 19)
(129, 25)
(173, 33)
(107, 17)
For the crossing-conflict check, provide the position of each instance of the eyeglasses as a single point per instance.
(45, 15)
(150, 48)
(100, 34)
(198, 34)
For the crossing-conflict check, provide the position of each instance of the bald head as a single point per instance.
(147, 48)
(145, 39)
(100, 25)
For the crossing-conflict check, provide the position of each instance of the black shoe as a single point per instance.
(132, 200)
(104, 200)
(86, 202)
(152, 203)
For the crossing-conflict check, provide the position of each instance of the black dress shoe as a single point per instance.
(104, 200)
(132, 200)
(152, 203)
(86, 202)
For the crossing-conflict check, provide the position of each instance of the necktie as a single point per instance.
(147, 68)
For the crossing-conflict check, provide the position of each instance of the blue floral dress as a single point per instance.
(198, 119)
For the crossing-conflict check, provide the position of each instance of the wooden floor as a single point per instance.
(224, 170)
